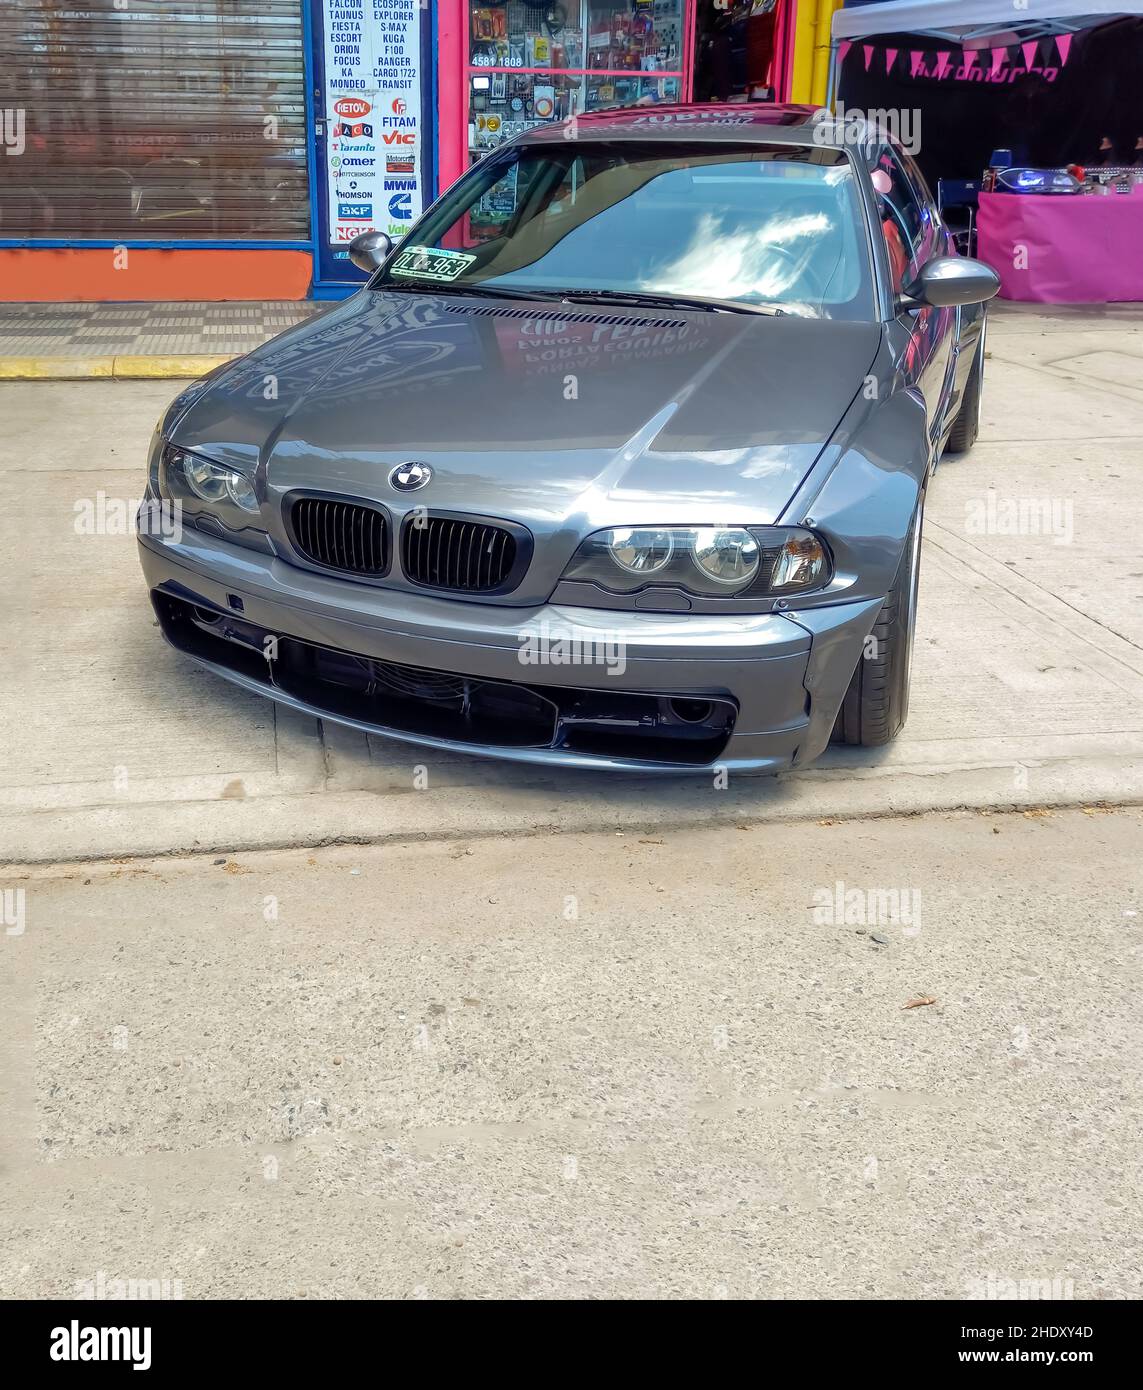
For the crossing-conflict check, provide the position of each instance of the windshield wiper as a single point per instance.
(465, 287)
(670, 301)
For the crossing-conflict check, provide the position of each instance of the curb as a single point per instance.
(120, 368)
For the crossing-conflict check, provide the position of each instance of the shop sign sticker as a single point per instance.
(429, 263)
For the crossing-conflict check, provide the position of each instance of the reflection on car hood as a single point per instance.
(568, 416)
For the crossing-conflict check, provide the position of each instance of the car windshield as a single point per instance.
(777, 228)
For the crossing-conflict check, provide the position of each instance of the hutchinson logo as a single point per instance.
(352, 106)
(400, 106)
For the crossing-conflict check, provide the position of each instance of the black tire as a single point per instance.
(966, 426)
(876, 704)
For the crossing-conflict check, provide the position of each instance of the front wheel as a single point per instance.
(877, 701)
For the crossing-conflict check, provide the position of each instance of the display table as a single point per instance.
(1059, 249)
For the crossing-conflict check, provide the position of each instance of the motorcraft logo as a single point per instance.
(346, 130)
(352, 106)
(400, 164)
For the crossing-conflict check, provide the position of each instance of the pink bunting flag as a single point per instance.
(842, 49)
(1064, 44)
(1029, 51)
(890, 59)
(868, 51)
(943, 63)
(999, 56)
(916, 59)
(969, 59)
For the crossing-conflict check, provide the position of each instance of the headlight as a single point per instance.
(707, 561)
(641, 552)
(727, 557)
(184, 472)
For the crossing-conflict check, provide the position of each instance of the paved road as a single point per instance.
(1028, 678)
(585, 1065)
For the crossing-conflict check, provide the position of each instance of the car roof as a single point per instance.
(765, 123)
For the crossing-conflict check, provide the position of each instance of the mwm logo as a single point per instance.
(354, 212)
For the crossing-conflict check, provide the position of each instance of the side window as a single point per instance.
(489, 218)
(905, 225)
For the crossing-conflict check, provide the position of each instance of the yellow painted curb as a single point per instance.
(171, 366)
(55, 368)
(123, 368)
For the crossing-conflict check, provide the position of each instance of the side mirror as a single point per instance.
(952, 280)
(368, 250)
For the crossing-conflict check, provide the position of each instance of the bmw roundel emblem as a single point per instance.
(407, 477)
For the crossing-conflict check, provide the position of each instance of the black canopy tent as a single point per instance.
(981, 74)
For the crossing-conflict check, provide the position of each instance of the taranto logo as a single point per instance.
(352, 130)
(400, 106)
(352, 106)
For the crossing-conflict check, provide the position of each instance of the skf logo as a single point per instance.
(354, 212)
(352, 106)
(401, 206)
(400, 106)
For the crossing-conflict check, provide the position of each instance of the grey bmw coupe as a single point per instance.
(618, 459)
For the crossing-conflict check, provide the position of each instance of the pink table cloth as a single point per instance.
(1084, 249)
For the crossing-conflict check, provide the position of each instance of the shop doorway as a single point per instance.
(372, 110)
(743, 50)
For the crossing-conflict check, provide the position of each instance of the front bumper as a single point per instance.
(637, 691)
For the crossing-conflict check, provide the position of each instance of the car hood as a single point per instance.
(594, 415)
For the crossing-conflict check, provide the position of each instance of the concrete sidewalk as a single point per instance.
(1028, 680)
(594, 1067)
(45, 342)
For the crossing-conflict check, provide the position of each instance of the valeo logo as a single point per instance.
(352, 106)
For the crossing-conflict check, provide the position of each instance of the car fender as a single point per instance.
(861, 497)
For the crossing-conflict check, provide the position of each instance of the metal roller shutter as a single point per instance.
(153, 121)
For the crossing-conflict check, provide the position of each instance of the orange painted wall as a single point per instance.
(73, 274)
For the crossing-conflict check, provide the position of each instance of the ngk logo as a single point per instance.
(352, 106)
(399, 106)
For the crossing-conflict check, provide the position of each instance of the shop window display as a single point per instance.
(530, 64)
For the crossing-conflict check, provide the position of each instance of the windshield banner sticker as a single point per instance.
(429, 263)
